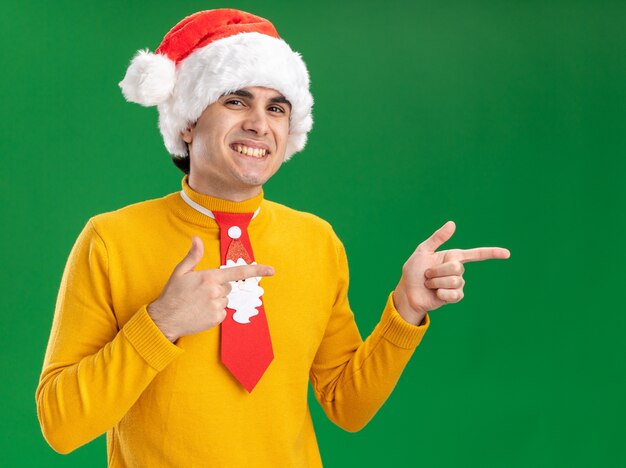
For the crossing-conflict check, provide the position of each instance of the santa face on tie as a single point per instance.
(245, 296)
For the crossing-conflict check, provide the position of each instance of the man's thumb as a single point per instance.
(193, 257)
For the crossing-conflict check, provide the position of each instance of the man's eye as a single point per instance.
(276, 109)
(235, 102)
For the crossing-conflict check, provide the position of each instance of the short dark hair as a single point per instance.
(181, 163)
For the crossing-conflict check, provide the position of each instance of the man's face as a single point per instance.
(238, 143)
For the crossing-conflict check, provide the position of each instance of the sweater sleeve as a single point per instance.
(93, 372)
(352, 378)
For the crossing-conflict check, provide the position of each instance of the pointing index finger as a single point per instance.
(244, 272)
(483, 253)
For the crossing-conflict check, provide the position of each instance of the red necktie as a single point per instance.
(246, 346)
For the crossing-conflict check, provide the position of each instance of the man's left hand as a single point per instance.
(431, 279)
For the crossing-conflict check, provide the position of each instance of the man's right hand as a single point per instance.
(194, 301)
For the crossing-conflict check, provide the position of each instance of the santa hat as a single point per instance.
(212, 53)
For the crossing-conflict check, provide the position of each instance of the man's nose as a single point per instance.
(256, 121)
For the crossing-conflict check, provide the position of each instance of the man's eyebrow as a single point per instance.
(247, 94)
(281, 100)
(241, 93)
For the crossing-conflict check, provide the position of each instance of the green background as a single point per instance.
(507, 117)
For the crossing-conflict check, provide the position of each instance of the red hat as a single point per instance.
(209, 54)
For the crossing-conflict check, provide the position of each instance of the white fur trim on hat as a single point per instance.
(183, 91)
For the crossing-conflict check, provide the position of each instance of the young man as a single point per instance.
(198, 356)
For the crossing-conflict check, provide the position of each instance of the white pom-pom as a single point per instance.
(149, 80)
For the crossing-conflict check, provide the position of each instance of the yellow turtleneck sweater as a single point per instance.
(108, 368)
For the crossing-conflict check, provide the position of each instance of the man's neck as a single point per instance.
(224, 192)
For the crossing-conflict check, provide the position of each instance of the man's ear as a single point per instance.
(186, 134)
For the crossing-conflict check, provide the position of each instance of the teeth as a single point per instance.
(254, 152)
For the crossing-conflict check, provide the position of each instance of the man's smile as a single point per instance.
(257, 151)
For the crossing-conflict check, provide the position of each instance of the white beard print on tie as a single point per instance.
(245, 295)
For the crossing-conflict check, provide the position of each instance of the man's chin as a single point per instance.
(252, 179)
(251, 182)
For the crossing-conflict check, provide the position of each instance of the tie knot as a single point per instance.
(234, 240)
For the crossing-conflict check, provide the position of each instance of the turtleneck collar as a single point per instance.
(218, 204)
(211, 203)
